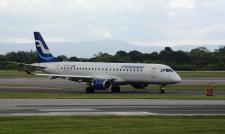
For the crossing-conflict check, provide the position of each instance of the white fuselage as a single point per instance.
(123, 73)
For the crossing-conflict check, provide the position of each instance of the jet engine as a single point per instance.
(138, 85)
(101, 84)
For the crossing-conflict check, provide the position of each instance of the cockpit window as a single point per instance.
(166, 70)
(169, 70)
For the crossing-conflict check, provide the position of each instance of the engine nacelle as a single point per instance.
(139, 86)
(101, 84)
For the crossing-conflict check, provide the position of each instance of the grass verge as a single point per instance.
(27, 95)
(201, 74)
(112, 125)
(15, 74)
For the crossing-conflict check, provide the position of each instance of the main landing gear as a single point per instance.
(115, 89)
(90, 89)
(162, 90)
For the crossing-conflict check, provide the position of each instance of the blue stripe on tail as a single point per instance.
(43, 53)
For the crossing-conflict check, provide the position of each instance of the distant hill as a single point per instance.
(88, 49)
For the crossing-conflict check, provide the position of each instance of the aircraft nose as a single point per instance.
(177, 79)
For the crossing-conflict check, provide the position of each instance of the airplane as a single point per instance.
(101, 75)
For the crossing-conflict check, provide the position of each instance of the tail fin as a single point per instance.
(43, 53)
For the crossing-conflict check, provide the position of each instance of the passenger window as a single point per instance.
(163, 70)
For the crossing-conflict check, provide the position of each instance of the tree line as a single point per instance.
(196, 59)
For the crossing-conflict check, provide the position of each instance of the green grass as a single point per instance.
(27, 95)
(113, 125)
(15, 74)
(201, 74)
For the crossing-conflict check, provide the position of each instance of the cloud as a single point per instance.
(156, 21)
(4, 3)
(182, 4)
(107, 35)
(173, 43)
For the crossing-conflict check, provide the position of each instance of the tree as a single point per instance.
(12, 56)
(73, 59)
(154, 56)
(202, 58)
(166, 55)
(2, 58)
(135, 56)
(121, 56)
(103, 57)
(62, 58)
(180, 57)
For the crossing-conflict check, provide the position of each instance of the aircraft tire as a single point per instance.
(162, 91)
(90, 90)
(115, 89)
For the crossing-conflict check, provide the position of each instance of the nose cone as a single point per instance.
(177, 79)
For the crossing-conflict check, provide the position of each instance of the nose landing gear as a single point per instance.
(162, 90)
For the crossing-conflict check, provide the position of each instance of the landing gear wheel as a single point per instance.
(115, 89)
(90, 89)
(162, 91)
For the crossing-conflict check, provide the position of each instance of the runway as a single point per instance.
(141, 107)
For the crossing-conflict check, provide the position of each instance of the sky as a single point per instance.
(140, 22)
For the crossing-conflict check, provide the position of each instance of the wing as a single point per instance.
(74, 77)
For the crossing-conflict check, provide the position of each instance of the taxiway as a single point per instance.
(46, 107)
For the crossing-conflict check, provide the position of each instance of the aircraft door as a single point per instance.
(57, 68)
(153, 72)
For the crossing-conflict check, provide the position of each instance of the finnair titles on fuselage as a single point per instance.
(103, 76)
